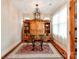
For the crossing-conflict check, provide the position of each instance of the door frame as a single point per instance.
(72, 30)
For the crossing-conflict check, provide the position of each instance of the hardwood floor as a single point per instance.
(54, 55)
(60, 50)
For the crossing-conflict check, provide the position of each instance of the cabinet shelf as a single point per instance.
(47, 27)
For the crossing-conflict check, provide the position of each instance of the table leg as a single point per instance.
(41, 44)
(33, 44)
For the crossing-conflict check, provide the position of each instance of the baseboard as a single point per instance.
(60, 49)
(12, 49)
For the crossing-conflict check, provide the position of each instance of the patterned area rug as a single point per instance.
(27, 49)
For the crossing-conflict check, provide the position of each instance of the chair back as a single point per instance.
(42, 37)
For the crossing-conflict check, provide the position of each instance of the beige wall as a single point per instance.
(10, 33)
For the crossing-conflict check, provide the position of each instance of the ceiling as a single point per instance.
(47, 7)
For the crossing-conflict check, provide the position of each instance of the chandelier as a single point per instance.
(37, 13)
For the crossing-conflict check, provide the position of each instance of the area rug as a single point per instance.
(27, 49)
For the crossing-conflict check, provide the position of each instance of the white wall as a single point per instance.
(59, 22)
(64, 43)
(10, 29)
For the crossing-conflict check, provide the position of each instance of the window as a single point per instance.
(60, 23)
(55, 29)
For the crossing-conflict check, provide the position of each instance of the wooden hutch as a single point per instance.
(29, 27)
